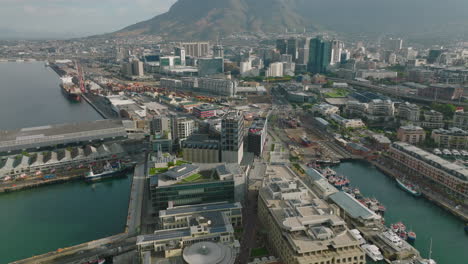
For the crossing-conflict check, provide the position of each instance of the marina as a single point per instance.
(449, 239)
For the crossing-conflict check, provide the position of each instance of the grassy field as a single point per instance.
(258, 252)
(337, 93)
(154, 171)
(194, 178)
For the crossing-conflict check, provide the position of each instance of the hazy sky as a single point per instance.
(76, 17)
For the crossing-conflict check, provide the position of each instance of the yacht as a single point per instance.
(357, 235)
(373, 252)
(393, 238)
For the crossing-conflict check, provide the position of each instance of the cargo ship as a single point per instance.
(410, 188)
(70, 89)
(108, 171)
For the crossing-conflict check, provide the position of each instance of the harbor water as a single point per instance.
(40, 220)
(30, 96)
(449, 241)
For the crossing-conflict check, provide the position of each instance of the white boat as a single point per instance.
(447, 152)
(108, 172)
(373, 252)
(393, 238)
(357, 235)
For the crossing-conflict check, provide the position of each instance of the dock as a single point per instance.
(431, 197)
(101, 113)
(35, 183)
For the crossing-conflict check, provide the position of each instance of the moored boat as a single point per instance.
(410, 188)
(411, 236)
(373, 252)
(107, 172)
(70, 90)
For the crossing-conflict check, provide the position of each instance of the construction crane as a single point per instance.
(80, 77)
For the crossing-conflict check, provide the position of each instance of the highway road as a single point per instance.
(136, 199)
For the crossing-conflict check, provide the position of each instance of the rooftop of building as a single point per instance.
(54, 132)
(206, 107)
(410, 105)
(192, 176)
(451, 168)
(444, 86)
(308, 223)
(353, 207)
(257, 126)
(453, 131)
(229, 168)
(179, 171)
(200, 141)
(215, 222)
(381, 139)
(433, 112)
(324, 106)
(412, 128)
(191, 209)
(322, 121)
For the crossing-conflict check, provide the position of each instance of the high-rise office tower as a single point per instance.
(160, 124)
(319, 55)
(393, 44)
(282, 46)
(196, 49)
(232, 137)
(180, 52)
(182, 127)
(337, 48)
(293, 46)
(137, 68)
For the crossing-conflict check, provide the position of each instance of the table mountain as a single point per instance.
(206, 19)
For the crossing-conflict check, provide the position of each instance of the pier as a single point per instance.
(35, 183)
(101, 113)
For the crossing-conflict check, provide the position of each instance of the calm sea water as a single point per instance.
(450, 243)
(40, 220)
(30, 96)
(37, 221)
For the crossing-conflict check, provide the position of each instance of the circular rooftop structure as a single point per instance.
(208, 253)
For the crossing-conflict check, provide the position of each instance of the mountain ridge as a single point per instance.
(189, 19)
(208, 19)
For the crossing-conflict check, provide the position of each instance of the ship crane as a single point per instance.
(80, 77)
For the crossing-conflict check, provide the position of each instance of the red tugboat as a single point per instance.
(69, 89)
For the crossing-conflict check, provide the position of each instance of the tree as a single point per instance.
(329, 84)
(447, 110)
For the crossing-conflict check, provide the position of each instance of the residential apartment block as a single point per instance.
(450, 178)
